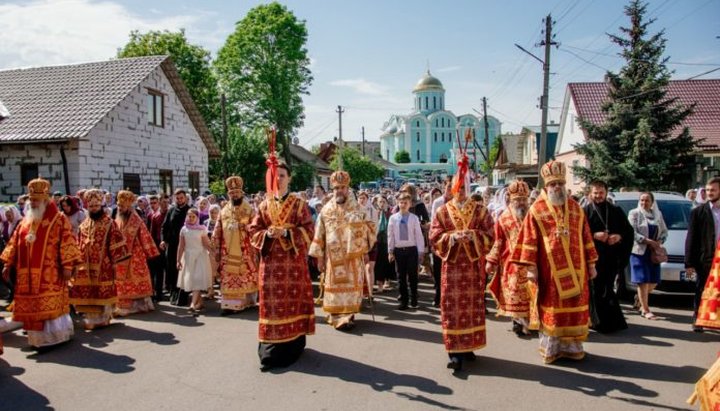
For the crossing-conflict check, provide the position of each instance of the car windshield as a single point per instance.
(676, 214)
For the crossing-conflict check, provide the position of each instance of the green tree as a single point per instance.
(303, 176)
(264, 69)
(640, 144)
(193, 65)
(245, 156)
(402, 156)
(487, 166)
(358, 166)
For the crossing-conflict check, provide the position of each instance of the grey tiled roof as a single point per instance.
(59, 103)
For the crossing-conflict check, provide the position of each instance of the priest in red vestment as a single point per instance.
(707, 389)
(133, 282)
(102, 244)
(44, 253)
(509, 285)
(556, 246)
(281, 232)
(461, 233)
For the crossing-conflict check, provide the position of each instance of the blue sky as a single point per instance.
(367, 55)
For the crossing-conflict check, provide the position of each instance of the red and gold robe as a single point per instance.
(237, 257)
(709, 310)
(557, 241)
(102, 245)
(133, 279)
(41, 292)
(286, 297)
(509, 286)
(463, 275)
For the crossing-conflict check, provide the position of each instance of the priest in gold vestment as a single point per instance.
(556, 247)
(234, 253)
(44, 253)
(343, 236)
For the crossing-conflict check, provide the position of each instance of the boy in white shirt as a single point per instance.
(406, 246)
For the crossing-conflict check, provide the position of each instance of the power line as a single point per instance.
(678, 63)
(585, 60)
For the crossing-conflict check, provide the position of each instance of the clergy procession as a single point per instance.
(536, 256)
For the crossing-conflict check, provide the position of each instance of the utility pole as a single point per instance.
(340, 112)
(224, 135)
(363, 141)
(487, 142)
(545, 99)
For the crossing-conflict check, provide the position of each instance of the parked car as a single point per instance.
(676, 212)
(369, 185)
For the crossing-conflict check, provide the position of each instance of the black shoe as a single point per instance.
(455, 364)
(402, 307)
(414, 304)
(225, 313)
(469, 356)
(265, 367)
(698, 329)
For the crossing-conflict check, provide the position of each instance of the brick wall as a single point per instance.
(48, 159)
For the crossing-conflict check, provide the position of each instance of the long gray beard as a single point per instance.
(557, 199)
(519, 212)
(35, 215)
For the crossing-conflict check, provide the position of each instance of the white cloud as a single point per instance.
(49, 32)
(362, 86)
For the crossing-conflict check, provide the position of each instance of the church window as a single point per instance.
(443, 137)
(436, 137)
(417, 136)
(417, 124)
(417, 155)
(387, 154)
(427, 102)
(434, 102)
(443, 121)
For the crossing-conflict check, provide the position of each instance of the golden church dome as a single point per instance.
(428, 82)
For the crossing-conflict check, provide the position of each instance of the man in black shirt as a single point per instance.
(174, 222)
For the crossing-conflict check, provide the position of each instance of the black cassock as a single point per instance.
(606, 314)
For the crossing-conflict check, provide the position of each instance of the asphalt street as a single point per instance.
(171, 360)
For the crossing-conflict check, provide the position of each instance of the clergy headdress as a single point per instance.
(125, 198)
(93, 196)
(340, 179)
(234, 183)
(553, 171)
(518, 189)
(39, 189)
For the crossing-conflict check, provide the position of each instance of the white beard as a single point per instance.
(557, 198)
(35, 215)
(519, 212)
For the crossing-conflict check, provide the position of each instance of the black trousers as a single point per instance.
(157, 272)
(437, 272)
(406, 266)
(702, 275)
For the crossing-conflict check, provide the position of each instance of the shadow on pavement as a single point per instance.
(102, 337)
(554, 376)
(74, 354)
(168, 314)
(14, 395)
(394, 330)
(642, 334)
(327, 365)
(597, 364)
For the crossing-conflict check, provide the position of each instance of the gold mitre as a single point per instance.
(125, 198)
(339, 179)
(234, 183)
(39, 189)
(518, 189)
(93, 196)
(553, 171)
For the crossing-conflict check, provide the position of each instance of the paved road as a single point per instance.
(169, 360)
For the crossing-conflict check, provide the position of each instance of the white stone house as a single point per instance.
(124, 123)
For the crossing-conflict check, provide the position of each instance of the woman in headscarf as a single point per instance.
(71, 208)
(384, 270)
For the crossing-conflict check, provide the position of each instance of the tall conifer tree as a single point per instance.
(641, 143)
